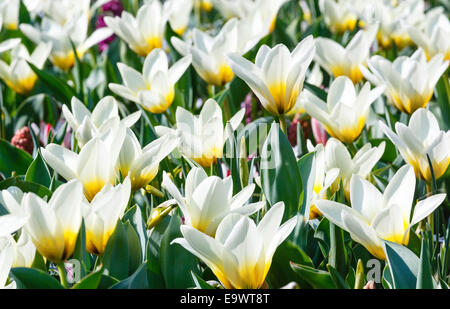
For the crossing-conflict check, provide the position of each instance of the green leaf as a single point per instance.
(58, 87)
(106, 282)
(280, 178)
(13, 159)
(337, 257)
(425, 276)
(138, 280)
(134, 216)
(176, 262)
(90, 281)
(318, 92)
(154, 274)
(337, 278)
(80, 252)
(307, 172)
(318, 279)
(26, 186)
(116, 256)
(281, 273)
(31, 278)
(200, 283)
(134, 248)
(442, 92)
(403, 265)
(38, 172)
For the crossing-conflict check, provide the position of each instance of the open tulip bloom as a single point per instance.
(153, 89)
(240, 254)
(94, 166)
(202, 137)
(339, 61)
(145, 32)
(420, 140)
(87, 125)
(54, 225)
(409, 81)
(362, 163)
(60, 37)
(339, 16)
(209, 53)
(345, 112)
(374, 216)
(208, 200)
(277, 75)
(18, 74)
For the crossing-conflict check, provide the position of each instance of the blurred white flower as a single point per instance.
(338, 15)
(17, 74)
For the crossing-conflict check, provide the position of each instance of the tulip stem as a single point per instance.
(282, 120)
(169, 118)
(62, 274)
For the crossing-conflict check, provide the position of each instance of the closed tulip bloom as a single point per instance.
(241, 253)
(208, 53)
(142, 164)
(18, 74)
(338, 15)
(410, 81)
(323, 179)
(422, 137)
(202, 137)
(433, 37)
(208, 200)
(153, 89)
(345, 112)
(94, 166)
(87, 125)
(54, 225)
(338, 156)
(180, 11)
(102, 214)
(374, 215)
(338, 61)
(277, 75)
(145, 32)
(60, 36)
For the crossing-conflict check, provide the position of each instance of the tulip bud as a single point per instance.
(160, 212)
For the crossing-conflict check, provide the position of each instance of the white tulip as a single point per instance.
(17, 74)
(54, 225)
(180, 12)
(153, 89)
(208, 200)
(9, 12)
(338, 15)
(374, 215)
(142, 164)
(94, 166)
(6, 261)
(87, 125)
(277, 75)
(202, 137)
(208, 53)
(434, 36)
(338, 61)
(102, 214)
(315, 77)
(241, 253)
(410, 81)
(337, 156)
(345, 113)
(74, 30)
(420, 138)
(145, 32)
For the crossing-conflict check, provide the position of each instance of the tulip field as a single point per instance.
(224, 144)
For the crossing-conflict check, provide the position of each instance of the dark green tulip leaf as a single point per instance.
(31, 278)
